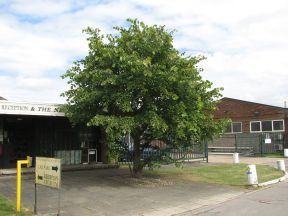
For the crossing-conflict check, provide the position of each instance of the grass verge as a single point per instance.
(272, 155)
(7, 208)
(228, 174)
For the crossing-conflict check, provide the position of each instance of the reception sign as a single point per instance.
(19, 108)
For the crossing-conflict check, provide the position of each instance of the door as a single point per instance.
(18, 139)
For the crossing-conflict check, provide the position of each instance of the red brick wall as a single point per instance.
(244, 111)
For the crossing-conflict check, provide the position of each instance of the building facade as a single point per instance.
(35, 129)
(250, 117)
(252, 124)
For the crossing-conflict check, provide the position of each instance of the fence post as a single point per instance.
(206, 149)
(261, 144)
(284, 141)
(236, 146)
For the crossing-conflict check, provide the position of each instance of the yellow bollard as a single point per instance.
(18, 181)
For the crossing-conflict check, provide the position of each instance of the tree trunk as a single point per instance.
(137, 163)
(104, 146)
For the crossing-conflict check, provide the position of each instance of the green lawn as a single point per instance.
(273, 155)
(228, 174)
(7, 208)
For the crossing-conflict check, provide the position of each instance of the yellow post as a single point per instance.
(18, 181)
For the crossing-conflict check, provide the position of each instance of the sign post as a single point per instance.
(48, 173)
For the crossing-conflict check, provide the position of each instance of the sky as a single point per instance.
(245, 42)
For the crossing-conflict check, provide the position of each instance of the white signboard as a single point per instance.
(267, 141)
(19, 108)
(48, 172)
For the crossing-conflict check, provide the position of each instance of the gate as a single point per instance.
(272, 142)
(249, 143)
(169, 154)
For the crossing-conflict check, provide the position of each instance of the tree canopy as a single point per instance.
(136, 82)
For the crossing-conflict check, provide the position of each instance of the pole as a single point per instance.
(18, 181)
(59, 192)
(206, 149)
(18, 187)
(35, 204)
(261, 144)
(236, 146)
(58, 214)
(285, 120)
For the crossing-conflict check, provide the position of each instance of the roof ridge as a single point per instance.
(2, 98)
(253, 102)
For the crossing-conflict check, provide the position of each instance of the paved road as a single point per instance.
(265, 202)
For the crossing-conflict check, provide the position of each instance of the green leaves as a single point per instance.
(136, 81)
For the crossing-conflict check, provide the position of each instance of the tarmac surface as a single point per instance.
(109, 192)
(266, 202)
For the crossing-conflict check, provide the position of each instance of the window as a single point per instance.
(255, 126)
(234, 127)
(237, 127)
(278, 125)
(267, 126)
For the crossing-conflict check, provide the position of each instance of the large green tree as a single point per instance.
(136, 82)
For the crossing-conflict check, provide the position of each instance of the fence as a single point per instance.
(252, 143)
(181, 154)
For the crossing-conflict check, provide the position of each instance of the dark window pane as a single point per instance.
(266, 125)
(237, 127)
(255, 126)
(278, 125)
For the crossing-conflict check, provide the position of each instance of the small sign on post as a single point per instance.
(48, 173)
(268, 141)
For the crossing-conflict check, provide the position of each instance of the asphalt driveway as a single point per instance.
(112, 192)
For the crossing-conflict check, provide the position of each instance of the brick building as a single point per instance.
(252, 124)
(250, 117)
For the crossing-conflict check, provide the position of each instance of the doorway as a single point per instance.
(18, 139)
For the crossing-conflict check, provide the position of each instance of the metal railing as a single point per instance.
(170, 154)
(249, 143)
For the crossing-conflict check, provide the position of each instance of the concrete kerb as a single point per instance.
(275, 181)
(248, 160)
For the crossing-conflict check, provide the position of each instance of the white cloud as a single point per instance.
(33, 83)
(253, 76)
(32, 89)
(27, 53)
(40, 8)
(245, 41)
